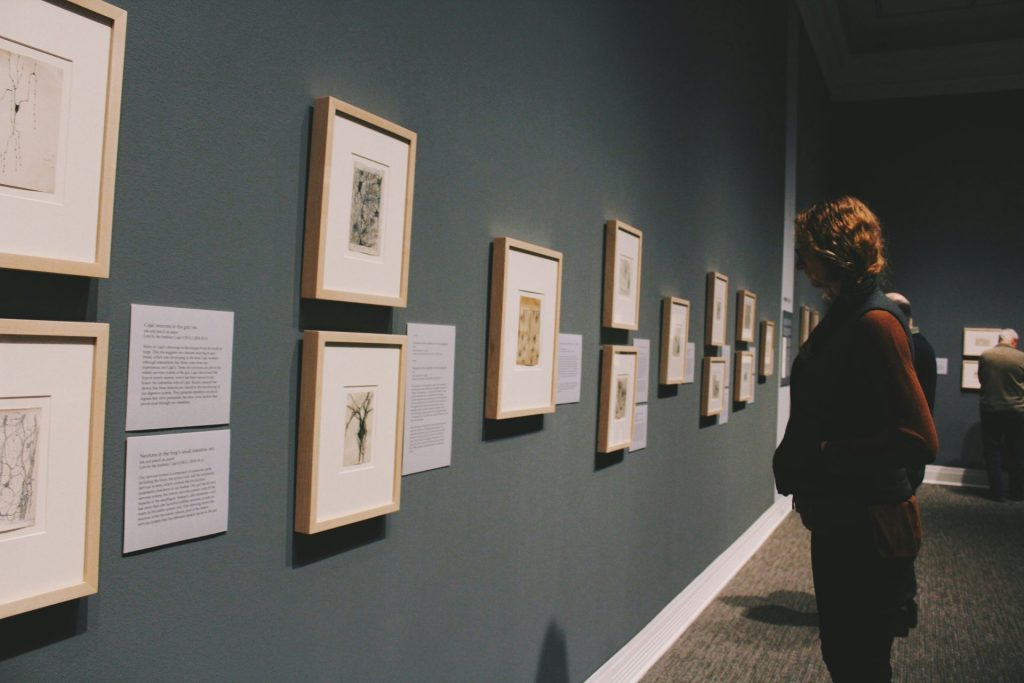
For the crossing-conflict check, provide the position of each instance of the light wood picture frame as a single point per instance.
(746, 316)
(57, 181)
(52, 403)
(766, 353)
(362, 172)
(619, 367)
(969, 379)
(716, 315)
(815, 318)
(713, 386)
(675, 334)
(743, 377)
(351, 425)
(977, 340)
(623, 255)
(522, 340)
(805, 324)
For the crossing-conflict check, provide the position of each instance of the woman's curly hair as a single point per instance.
(846, 235)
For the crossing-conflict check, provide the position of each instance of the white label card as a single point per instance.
(570, 368)
(429, 394)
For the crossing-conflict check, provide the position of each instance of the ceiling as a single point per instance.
(872, 49)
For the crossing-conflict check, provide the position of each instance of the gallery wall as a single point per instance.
(944, 175)
(531, 557)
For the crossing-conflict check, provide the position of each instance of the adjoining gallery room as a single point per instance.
(478, 341)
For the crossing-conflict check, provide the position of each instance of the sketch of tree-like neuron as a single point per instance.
(625, 276)
(30, 109)
(621, 394)
(676, 348)
(358, 428)
(367, 191)
(748, 316)
(716, 386)
(19, 444)
(528, 345)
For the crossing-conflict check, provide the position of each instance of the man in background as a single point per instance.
(1001, 372)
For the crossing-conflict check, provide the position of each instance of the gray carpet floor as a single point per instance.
(763, 625)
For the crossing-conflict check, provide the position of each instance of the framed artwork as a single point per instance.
(805, 323)
(358, 207)
(815, 318)
(522, 341)
(618, 397)
(61, 65)
(623, 249)
(712, 390)
(969, 375)
(675, 334)
(977, 340)
(743, 381)
(717, 309)
(746, 315)
(52, 399)
(351, 420)
(767, 353)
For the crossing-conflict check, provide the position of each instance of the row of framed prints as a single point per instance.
(976, 341)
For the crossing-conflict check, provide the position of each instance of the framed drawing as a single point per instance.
(743, 381)
(767, 355)
(969, 375)
(815, 318)
(717, 309)
(712, 390)
(61, 65)
(52, 399)
(623, 249)
(746, 315)
(358, 207)
(675, 334)
(618, 397)
(522, 340)
(805, 323)
(349, 461)
(977, 340)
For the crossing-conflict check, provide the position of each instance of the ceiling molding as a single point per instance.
(948, 70)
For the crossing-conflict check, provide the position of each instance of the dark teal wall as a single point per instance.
(530, 558)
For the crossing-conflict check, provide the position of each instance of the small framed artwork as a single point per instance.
(805, 323)
(358, 207)
(675, 334)
(767, 354)
(522, 341)
(815, 318)
(717, 309)
(746, 315)
(351, 419)
(712, 390)
(52, 399)
(61, 65)
(969, 376)
(977, 340)
(743, 381)
(623, 249)
(618, 397)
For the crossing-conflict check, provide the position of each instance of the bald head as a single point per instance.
(901, 301)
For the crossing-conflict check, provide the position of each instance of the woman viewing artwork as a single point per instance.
(858, 420)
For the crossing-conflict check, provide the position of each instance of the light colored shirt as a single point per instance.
(1001, 371)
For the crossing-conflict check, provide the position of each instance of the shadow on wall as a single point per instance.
(554, 657)
(971, 456)
(42, 627)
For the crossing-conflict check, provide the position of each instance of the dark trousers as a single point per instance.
(1002, 439)
(864, 601)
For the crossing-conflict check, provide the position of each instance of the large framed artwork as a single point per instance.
(52, 396)
(617, 396)
(716, 315)
(969, 375)
(743, 381)
(746, 315)
(358, 207)
(522, 342)
(675, 334)
(349, 464)
(712, 390)
(61, 67)
(977, 340)
(623, 250)
(767, 351)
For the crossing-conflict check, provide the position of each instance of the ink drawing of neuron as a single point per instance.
(625, 276)
(748, 316)
(19, 443)
(358, 428)
(367, 191)
(676, 347)
(716, 386)
(30, 110)
(528, 345)
(621, 394)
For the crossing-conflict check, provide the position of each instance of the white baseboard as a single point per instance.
(641, 653)
(955, 476)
